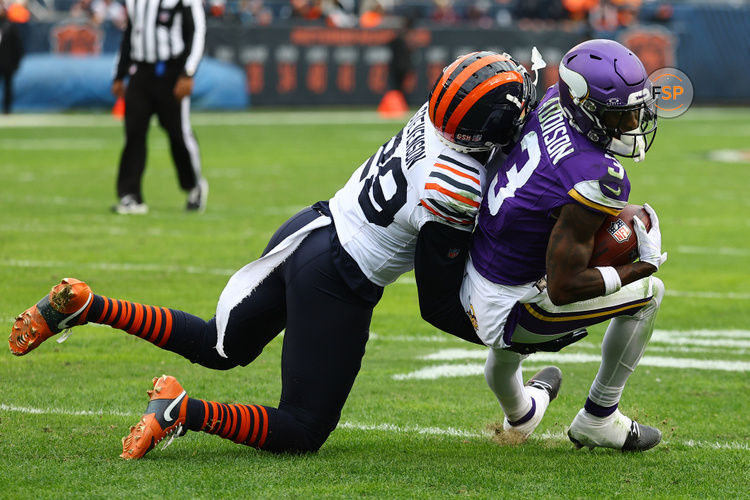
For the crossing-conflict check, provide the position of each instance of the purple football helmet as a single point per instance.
(607, 95)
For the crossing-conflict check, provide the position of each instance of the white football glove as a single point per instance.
(649, 243)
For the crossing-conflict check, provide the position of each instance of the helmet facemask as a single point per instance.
(628, 131)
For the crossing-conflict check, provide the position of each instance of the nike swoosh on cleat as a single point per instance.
(171, 406)
(62, 325)
(615, 192)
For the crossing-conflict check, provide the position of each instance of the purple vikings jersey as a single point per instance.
(552, 165)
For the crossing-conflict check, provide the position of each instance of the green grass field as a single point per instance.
(64, 407)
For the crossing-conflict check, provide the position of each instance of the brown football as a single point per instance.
(615, 243)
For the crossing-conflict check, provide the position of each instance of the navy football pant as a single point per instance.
(327, 327)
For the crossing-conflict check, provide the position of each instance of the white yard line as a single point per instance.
(382, 427)
(679, 341)
(49, 144)
(701, 334)
(63, 411)
(470, 369)
(410, 429)
(708, 295)
(734, 252)
(117, 266)
(659, 336)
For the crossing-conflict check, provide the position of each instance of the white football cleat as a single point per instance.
(129, 205)
(615, 431)
(543, 388)
(196, 199)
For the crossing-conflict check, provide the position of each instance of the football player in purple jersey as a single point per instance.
(528, 285)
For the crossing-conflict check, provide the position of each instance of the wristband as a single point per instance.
(612, 281)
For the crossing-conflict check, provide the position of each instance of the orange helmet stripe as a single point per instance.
(446, 74)
(459, 81)
(479, 91)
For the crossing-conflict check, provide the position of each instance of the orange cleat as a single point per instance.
(64, 307)
(165, 416)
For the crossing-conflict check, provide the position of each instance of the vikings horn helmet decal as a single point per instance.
(604, 90)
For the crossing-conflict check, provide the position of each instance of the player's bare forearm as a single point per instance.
(569, 277)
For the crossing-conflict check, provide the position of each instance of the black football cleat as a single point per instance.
(543, 388)
(641, 438)
(615, 431)
(547, 379)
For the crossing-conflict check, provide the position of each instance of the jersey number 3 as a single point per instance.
(384, 192)
(516, 178)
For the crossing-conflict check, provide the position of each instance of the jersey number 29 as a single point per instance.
(385, 188)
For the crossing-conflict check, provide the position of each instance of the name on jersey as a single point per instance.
(415, 148)
(554, 131)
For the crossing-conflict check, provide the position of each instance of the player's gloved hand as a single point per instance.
(649, 242)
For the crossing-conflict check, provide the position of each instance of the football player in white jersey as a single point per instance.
(410, 205)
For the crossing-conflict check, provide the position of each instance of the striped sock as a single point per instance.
(150, 323)
(243, 424)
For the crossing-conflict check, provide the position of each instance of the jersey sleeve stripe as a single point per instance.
(458, 163)
(447, 210)
(463, 222)
(455, 184)
(596, 206)
(459, 173)
(441, 189)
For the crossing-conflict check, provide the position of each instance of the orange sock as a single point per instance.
(150, 323)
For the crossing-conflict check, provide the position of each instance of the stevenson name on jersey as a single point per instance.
(410, 180)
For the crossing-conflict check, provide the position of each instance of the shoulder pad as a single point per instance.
(609, 193)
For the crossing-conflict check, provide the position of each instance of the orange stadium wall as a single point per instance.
(308, 66)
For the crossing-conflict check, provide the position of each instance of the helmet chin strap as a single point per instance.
(629, 145)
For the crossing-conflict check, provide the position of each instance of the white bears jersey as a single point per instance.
(412, 179)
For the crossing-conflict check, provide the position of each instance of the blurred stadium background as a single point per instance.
(337, 52)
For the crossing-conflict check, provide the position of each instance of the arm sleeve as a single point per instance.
(194, 33)
(123, 57)
(439, 269)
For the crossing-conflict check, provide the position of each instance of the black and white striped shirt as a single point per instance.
(163, 30)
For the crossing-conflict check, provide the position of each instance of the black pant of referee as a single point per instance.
(156, 89)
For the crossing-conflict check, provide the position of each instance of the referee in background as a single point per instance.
(160, 52)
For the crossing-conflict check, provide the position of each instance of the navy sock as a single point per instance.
(599, 411)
